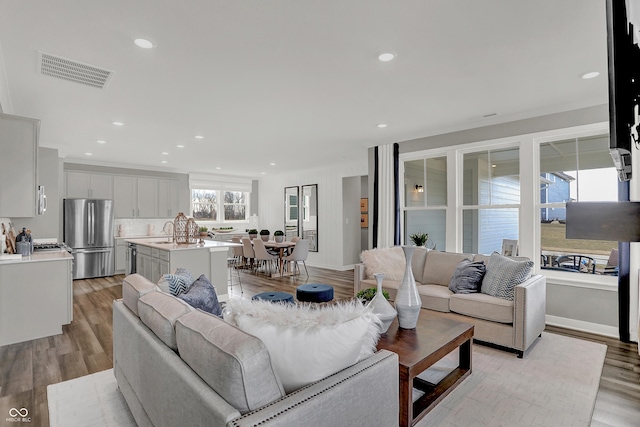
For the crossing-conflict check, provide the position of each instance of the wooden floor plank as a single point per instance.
(85, 347)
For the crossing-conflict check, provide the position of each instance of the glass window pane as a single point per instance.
(436, 188)
(431, 222)
(204, 204)
(492, 177)
(484, 229)
(414, 183)
(234, 212)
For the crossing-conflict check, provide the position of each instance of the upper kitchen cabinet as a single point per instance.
(84, 185)
(135, 197)
(168, 200)
(18, 173)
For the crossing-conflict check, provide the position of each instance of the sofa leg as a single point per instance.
(520, 354)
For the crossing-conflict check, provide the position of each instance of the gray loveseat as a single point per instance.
(512, 324)
(177, 366)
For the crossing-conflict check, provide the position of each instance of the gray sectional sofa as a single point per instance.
(512, 324)
(177, 366)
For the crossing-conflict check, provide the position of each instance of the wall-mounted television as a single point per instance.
(623, 34)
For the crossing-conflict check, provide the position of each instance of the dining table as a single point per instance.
(283, 250)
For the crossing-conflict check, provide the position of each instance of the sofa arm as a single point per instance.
(358, 277)
(365, 394)
(530, 304)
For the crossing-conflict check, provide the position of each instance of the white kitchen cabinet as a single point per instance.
(18, 177)
(168, 200)
(135, 197)
(143, 262)
(36, 297)
(88, 185)
(122, 251)
(147, 197)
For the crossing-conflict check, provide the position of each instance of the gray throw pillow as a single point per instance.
(201, 294)
(503, 274)
(467, 277)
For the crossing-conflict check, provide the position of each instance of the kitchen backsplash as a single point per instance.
(141, 227)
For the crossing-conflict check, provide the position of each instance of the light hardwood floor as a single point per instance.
(85, 347)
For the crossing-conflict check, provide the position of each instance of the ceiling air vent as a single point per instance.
(73, 71)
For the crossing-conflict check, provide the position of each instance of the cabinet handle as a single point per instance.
(133, 212)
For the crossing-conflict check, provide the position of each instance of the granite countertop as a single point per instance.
(170, 246)
(40, 257)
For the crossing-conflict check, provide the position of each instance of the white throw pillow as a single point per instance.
(306, 343)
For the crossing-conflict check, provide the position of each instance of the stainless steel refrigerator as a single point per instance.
(88, 231)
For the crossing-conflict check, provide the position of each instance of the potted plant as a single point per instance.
(278, 235)
(367, 295)
(253, 233)
(419, 238)
(264, 235)
(203, 231)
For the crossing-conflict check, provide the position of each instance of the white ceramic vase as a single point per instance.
(381, 307)
(408, 301)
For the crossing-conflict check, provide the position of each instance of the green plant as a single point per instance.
(367, 294)
(278, 233)
(253, 231)
(419, 238)
(203, 229)
(264, 232)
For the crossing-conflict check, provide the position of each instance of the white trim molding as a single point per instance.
(579, 325)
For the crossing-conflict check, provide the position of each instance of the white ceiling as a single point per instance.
(293, 82)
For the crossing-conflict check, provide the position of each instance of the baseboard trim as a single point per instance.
(579, 325)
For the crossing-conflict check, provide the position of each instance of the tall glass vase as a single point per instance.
(381, 307)
(408, 301)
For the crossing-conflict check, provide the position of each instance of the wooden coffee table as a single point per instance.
(418, 349)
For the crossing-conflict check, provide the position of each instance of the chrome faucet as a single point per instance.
(168, 232)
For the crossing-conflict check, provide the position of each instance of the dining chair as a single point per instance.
(261, 254)
(247, 251)
(235, 261)
(300, 253)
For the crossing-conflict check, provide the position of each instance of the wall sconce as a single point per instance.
(419, 188)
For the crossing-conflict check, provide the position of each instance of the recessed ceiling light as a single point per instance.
(218, 168)
(382, 125)
(493, 166)
(143, 43)
(163, 161)
(199, 137)
(180, 146)
(101, 142)
(272, 164)
(386, 57)
(590, 75)
(88, 154)
(118, 123)
(164, 153)
(264, 173)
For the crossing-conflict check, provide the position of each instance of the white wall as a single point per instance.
(330, 213)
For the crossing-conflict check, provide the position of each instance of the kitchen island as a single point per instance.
(154, 258)
(36, 296)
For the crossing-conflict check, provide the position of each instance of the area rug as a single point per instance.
(92, 400)
(555, 384)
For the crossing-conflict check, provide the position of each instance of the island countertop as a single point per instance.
(171, 246)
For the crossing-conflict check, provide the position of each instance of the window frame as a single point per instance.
(220, 204)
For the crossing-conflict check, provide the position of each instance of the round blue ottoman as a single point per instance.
(314, 293)
(274, 297)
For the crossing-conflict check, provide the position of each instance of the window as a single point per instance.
(578, 169)
(234, 206)
(425, 200)
(207, 203)
(491, 199)
(204, 204)
(292, 208)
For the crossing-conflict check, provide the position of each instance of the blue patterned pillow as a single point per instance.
(179, 281)
(202, 295)
(503, 274)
